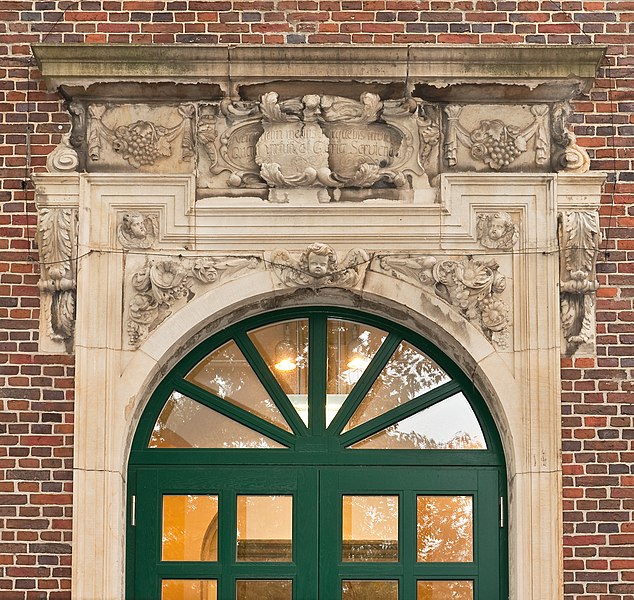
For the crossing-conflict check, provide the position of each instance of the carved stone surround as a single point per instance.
(432, 200)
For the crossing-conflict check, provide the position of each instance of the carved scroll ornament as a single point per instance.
(568, 155)
(64, 158)
(163, 282)
(319, 266)
(140, 143)
(472, 287)
(579, 238)
(57, 242)
(495, 143)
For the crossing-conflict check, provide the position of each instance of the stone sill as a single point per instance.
(436, 72)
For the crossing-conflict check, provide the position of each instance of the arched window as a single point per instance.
(315, 454)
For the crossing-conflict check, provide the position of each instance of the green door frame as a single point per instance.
(316, 458)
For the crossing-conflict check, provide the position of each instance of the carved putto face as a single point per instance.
(134, 226)
(319, 260)
(137, 230)
(497, 230)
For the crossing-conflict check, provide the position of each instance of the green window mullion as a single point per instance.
(234, 412)
(399, 413)
(267, 379)
(362, 387)
(317, 372)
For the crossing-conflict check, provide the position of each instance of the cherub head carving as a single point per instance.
(497, 230)
(136, 230)
(319, 260)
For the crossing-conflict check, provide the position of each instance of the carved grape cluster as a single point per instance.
(141, 143)
(497, 144)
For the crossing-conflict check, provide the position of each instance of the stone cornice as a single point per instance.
(543, 73)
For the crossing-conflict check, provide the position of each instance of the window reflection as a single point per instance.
(284, 348)
(189, 589)
(407, 375)
(448, 425)
(184, 423)
(265, 528)
(190, 528)
(351, 347)
(369, 590)
(444, 528)
(444, 590)
(260, 589)
(227, 374)
(370, 528)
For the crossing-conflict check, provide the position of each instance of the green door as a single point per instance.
(316, 455)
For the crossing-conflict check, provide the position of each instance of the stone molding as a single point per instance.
(77, 66)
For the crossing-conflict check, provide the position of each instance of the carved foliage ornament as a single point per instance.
(579, 239)
(494, 142)
(472, 287)
(318, 266)
(163, 282)
(140, 143)
(569, 156)
(56, 236)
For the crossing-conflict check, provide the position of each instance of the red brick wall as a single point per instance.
(36, 405)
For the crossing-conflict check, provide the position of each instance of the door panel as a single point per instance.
(447, 533)
(226, 531)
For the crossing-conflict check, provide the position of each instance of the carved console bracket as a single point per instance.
(579, 239)
(57, 241)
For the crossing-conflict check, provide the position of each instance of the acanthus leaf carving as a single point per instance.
(319, 266)
(161, 283)
(56, 236)
(579, 239)
(472, 287)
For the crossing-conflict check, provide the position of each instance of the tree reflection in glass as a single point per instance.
(448, 425)
(444, 528)
(359, 589)
(444, 590)
(369, 528)
(227, 374)
(190, 528)
(184, 423)
(262, 589)
(351, 347)
(407, 375)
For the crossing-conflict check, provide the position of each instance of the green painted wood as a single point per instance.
(317, 469)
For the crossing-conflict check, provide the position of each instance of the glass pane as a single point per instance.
(444, 528)
(284, 347)
(351, 346)
(190, 528)
(448, 425)
(444, 590)
(370, 528)
(189, 589)
(408, 374)
(185, 423)
(262, 589)
(227, 374)
(369, 590)
(265, 528)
